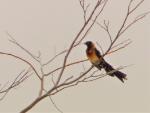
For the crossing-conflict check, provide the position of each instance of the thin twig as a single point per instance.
(134, 21)
(19, 45)
(121, 31)
(112, 51)
(54, 104)
(77, 62)
(27, 62)
(42, 78)
(16, 82)
(121, 43)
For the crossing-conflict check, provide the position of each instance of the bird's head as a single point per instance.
(89, 44)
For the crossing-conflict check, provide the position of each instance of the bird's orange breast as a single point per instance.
(93, 57)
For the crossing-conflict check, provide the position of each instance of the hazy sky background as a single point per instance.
(49, 25)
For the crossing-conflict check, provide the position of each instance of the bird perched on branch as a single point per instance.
(98, 61)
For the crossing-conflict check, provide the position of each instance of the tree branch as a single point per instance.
(25, 61)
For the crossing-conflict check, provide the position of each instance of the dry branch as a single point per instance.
(123, 28)
(23, 75)
(12, 40)
(25, 61)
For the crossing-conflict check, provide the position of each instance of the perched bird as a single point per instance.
(98, 61)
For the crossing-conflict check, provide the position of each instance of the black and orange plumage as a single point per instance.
(98, 61)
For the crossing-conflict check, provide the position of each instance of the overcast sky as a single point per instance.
(49, 26)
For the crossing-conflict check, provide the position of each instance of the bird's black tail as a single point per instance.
(108, 68)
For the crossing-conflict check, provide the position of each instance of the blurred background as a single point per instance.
(50, 26)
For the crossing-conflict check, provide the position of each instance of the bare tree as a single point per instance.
(89, 74)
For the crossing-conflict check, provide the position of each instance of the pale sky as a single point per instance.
(49, 26)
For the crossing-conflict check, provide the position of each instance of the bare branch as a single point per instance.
(27, 62)
(121, 31)
(77, 62)
(134, 21)
(16, 82)
(78, 78)
(53, 58)
(54, 104)
(4, 96)
(42, 78)
(107, 30)
(135, 6)
(89, 79)
(96, 77)
(68, 79)
(94, 20)
(125, 45)
(84, 8)
(71, 83)
(19, 79)
(19, 45)
(122, 43)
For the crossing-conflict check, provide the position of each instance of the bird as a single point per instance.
(95, 57)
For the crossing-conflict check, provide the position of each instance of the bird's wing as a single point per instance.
(98, 54)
